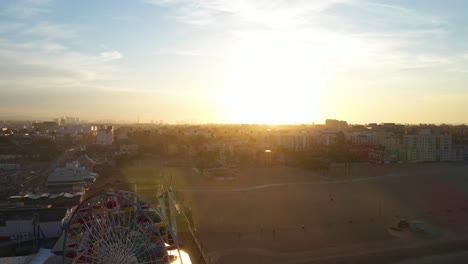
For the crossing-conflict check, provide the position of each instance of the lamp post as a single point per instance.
(135, 191)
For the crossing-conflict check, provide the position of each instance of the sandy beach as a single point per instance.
(278, 215)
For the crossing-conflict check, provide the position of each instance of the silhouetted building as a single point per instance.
(335, 124)
(44, 126)
(27, 223)
(85, 161)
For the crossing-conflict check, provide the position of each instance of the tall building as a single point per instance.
(105, 135)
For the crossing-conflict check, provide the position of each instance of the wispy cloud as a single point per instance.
(51, 30)
(312, 24)
(274, 13)
(26, 8)
(39, 54)
(110, 55)
(38, 64)
(53, 47)
(398, 14)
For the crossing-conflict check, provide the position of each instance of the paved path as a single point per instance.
(317, 182)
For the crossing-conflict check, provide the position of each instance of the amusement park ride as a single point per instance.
(122, 227)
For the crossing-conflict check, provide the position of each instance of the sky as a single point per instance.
(242, 61)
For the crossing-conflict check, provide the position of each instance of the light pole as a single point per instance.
(135, 191)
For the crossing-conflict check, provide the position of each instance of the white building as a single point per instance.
(71, 178)
(360, 137)
(426, 146)
(105, 136)
(296, 141)
(381, 139)
(329, 137)
(128, 149)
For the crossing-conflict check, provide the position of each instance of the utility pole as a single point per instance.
(35, 223)
(380, 207)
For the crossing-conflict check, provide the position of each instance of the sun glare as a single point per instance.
(272, 86)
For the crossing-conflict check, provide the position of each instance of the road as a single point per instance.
(41, 178)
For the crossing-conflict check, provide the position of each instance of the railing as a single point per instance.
(204, 258)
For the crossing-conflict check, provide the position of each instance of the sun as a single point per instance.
(272, 86)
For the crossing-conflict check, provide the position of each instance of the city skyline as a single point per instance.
(223, 61)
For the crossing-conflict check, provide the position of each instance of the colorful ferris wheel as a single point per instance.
(118, 227)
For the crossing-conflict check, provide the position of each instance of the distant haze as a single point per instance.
(224, 61)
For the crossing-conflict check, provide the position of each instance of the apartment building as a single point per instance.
(426, 145)
(296, 141)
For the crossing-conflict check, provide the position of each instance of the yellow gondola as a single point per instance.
(128, 209)
(75, 236)
(161, 224)
(75, 226)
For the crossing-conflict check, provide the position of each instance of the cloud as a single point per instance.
(464, 56)
(40, 64)
(51, 30)
(39, 55)
(267, 13)
(332, 35)
(398, 14)
(53, 47)
(110, 55)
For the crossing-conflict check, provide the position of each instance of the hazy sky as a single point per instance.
(263, 61)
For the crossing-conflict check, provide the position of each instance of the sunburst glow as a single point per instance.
(272, 83)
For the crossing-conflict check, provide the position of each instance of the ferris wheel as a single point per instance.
(118, 227)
